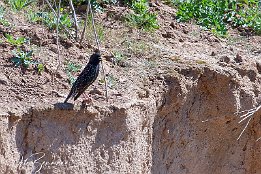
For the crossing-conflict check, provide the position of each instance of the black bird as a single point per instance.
(86, 78)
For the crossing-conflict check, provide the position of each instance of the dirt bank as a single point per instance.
(187, 125)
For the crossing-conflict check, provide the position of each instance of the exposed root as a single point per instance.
(247, 114)
(39, 166)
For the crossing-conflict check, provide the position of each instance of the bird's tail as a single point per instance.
(65, 101)
(68, 97)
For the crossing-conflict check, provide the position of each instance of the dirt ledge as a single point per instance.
(188, 125)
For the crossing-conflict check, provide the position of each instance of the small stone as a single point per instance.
(213, 53)
(238, 58)
(19, 97)
(3, 79)
(185, 31)
(81, 56)
(225, 59)
(96, 91)
(61, 75)
(53, 48)
(173, 25)
(258, 66)
(167, 35)
(181, 40)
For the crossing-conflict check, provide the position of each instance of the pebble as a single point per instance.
(3, 79)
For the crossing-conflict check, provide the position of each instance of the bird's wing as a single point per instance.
(85, 79)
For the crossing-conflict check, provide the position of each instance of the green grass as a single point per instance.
(111, 81)
(201, 61)
(24, 59)
(49, 20)
(141, 17)
(16, 42)
(89, 31)
(119, 58)
(21, 58)
(217, 15)
(3, 21)
(18, 5)
(72, 68)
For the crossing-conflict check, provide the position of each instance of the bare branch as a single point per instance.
(94, 28)
(244, 128)
(75, 19)
(98, 46)
(65, 28)
(24, 162)
(57, 35)
(85, 22)
(247, 114)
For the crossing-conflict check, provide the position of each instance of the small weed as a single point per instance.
(16, 42)
(215, 15)
(119, 59)
(40, 68)
(24, 59)
(111, 80)
(71, 69)
(150, 64)
(233, 40)
(89, 31)
(175, 58)
(142, 18)
(172, 2)
(136, 47)
(49, 19)
(18, 5)
(33, 17)
(3, 21)
(201, 62)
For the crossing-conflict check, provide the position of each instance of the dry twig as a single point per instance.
(75, 19)
(65, 28)
(24, 162)
(247, 114)
(98, 46)
(57, 35)
(85, 22)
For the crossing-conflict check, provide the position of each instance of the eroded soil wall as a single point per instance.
(191, 128)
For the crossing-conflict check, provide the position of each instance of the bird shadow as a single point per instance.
(63, 106)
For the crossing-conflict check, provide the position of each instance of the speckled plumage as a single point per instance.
(86, 78)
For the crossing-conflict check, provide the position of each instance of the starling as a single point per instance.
(86, 78)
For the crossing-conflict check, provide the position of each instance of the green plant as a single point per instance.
(49, 19)
(22, 58)
(19, 4)
(40, 68)
(215, 15)
(89, 31)
(72, 68)
(200, 61)
(172, 2)
(136, 47)
(33, 17)
(248, 18)
(111, 80)
(3, 21)
(16, 42)
(119, 59)
(150, 63)
(142, 18)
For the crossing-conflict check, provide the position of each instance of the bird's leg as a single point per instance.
(87, 99)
